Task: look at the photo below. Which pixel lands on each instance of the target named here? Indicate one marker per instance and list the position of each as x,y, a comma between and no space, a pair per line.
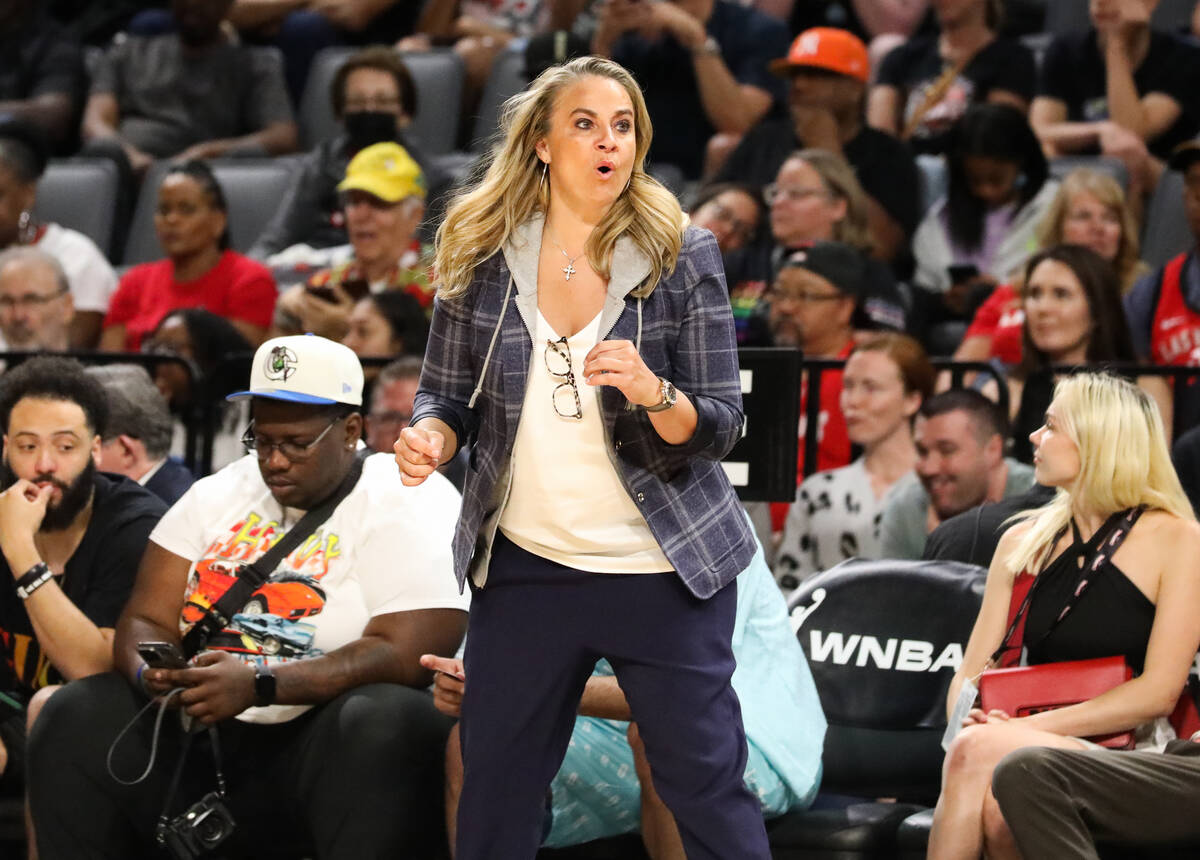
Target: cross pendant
569,270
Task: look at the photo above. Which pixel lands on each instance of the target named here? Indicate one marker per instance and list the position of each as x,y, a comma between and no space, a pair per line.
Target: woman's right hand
418,452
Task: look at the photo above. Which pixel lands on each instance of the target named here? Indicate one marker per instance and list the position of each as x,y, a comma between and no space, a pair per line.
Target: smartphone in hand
161,655
960,273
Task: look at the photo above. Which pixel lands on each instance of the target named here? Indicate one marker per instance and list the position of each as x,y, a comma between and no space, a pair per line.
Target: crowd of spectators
888,183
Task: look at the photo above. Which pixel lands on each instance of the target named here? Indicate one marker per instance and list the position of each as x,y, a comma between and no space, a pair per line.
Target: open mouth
605,169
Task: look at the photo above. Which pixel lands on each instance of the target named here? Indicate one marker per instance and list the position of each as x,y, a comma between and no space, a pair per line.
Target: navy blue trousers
536,631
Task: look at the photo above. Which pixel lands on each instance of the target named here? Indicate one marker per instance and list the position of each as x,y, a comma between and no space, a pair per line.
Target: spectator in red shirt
199,270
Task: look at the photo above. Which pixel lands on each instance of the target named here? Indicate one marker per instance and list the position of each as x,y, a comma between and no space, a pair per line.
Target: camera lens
210,828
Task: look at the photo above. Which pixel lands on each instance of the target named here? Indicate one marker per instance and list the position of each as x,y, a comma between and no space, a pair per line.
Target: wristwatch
667,396
264,685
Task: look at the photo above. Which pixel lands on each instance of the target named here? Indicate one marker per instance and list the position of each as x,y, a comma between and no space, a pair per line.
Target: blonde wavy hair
1123,461
1108,191
482,216
841,183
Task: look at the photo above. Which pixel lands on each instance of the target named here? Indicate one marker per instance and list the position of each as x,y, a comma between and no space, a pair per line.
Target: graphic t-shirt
385,549
98,578
915,67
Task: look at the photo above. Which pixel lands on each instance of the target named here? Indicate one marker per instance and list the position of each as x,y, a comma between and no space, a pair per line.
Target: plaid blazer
684,331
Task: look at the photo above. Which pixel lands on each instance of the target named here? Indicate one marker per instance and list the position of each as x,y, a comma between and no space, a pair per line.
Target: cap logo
810,43
280,364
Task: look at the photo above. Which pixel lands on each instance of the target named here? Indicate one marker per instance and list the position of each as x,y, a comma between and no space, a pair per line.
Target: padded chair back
1166,233
883,640
437,75
506,80
317,122
253,188
80,193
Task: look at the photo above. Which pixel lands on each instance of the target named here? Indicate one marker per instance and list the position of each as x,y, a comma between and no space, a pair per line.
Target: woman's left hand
617,363
977,717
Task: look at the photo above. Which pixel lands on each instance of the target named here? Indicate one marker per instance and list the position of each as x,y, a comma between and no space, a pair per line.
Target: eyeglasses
392,417
29,300
558,362
293,451
777,295
776,192
741,229
382,104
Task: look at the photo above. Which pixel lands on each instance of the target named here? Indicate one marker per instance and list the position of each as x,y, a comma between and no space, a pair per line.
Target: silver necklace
569,269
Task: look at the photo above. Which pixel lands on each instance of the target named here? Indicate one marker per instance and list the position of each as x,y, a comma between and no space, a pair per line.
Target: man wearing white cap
329,743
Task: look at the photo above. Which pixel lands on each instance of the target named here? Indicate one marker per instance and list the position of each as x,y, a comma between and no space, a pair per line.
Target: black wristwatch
264,685
667,396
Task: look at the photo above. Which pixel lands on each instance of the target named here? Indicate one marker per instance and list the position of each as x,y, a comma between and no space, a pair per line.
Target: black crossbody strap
250,577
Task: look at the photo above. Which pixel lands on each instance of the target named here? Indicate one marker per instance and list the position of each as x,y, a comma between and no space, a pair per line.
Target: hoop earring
26,227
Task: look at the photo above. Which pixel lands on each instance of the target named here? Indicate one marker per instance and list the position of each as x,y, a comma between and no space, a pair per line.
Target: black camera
200,829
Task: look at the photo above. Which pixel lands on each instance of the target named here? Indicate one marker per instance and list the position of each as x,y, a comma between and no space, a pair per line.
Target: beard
75,496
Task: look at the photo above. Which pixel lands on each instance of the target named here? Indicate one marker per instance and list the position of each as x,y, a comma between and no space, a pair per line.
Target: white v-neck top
566,502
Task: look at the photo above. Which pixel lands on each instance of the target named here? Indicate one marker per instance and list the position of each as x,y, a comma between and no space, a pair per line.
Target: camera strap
164,817
250,577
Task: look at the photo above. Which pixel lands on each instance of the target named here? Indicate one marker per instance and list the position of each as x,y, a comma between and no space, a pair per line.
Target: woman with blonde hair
1090,209
1104,556
596,519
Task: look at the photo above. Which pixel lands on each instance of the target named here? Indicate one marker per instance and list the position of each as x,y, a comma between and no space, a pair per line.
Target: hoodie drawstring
487,359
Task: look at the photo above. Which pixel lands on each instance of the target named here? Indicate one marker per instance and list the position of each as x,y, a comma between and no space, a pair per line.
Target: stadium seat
1166,232
252,189
79,193
883,639
506,80
437,75
1061,165
315,116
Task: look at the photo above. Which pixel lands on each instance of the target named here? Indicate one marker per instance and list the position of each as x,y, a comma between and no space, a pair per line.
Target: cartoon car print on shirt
290,595
268,635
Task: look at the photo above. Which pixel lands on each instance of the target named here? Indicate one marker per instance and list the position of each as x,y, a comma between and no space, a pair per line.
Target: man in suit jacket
138,435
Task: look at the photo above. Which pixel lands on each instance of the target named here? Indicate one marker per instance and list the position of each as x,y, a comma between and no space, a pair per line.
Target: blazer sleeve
447,376
706,359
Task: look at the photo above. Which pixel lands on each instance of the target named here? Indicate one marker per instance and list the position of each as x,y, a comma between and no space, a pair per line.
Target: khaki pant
1060,803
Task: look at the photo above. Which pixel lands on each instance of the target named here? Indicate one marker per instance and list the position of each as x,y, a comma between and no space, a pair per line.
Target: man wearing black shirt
828,71
70,542
41,72
1118,89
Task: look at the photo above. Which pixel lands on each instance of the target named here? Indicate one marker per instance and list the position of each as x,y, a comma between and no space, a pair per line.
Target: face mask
368,127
